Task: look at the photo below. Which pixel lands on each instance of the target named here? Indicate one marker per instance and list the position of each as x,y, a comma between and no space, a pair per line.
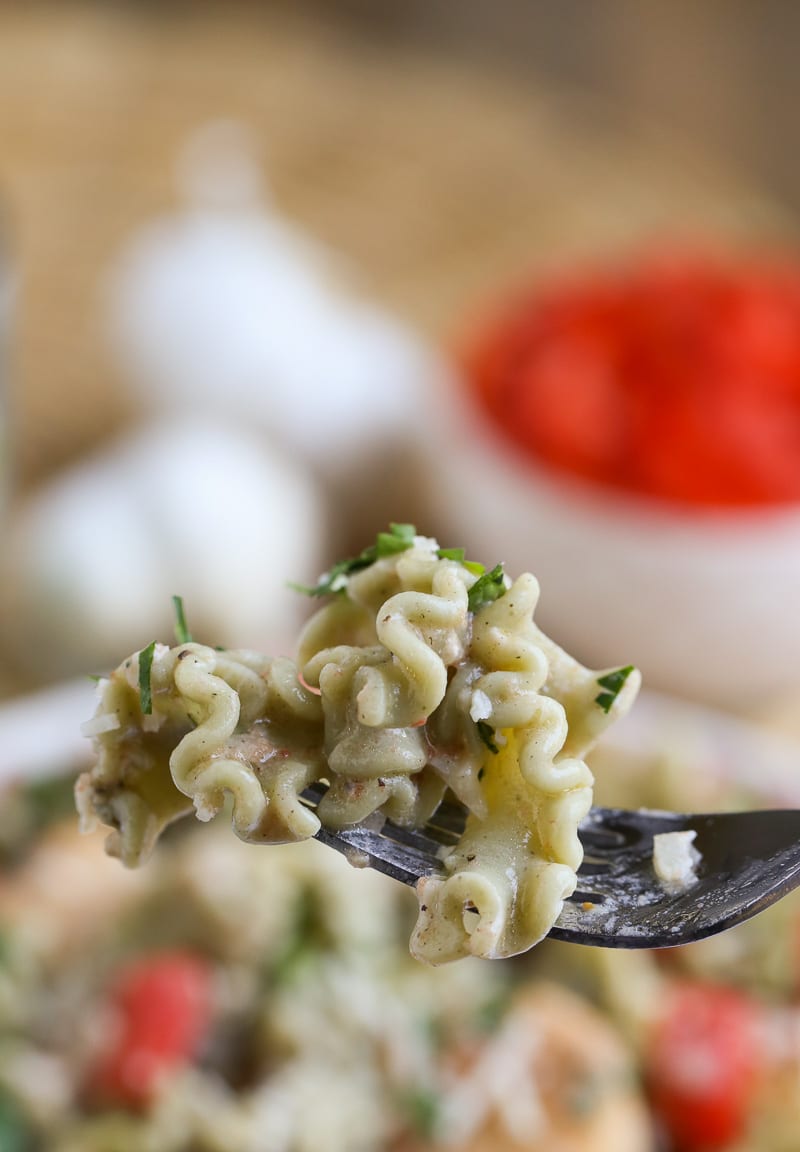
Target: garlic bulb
188,508
228,306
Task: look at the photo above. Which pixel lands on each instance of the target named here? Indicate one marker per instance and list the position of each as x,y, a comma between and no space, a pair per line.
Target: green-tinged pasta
406,686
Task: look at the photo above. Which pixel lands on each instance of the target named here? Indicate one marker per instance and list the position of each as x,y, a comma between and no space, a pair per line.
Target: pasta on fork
422,675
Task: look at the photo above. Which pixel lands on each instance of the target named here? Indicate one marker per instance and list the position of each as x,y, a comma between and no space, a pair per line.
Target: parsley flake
145,668
487,588
182,633
486,733
458,554
399,538
424,1111
613,683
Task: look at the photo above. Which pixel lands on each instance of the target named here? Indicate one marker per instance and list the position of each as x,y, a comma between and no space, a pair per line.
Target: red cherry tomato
675,378
160,1013
703,1066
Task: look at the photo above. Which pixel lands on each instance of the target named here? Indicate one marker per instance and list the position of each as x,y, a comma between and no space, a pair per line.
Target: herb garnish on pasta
422,675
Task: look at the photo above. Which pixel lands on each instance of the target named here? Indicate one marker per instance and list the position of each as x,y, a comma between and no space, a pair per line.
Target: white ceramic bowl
707,604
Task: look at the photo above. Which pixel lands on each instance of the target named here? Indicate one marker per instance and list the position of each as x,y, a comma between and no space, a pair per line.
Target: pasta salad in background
235,952
229,1000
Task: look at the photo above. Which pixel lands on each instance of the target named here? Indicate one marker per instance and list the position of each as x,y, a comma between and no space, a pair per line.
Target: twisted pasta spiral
420,675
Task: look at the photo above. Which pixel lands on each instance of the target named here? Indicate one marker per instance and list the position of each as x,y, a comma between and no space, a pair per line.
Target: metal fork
748,861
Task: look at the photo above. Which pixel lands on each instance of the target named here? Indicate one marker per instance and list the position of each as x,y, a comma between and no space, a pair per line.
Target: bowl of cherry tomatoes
631,433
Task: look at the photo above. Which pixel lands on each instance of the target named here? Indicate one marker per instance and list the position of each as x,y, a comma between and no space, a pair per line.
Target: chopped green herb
15,1135
451,554
331,582
486,733
145,667
473,566
489,1015
49,799
309,937
399,538
423,1108
488,587
182,633
95,677
613,683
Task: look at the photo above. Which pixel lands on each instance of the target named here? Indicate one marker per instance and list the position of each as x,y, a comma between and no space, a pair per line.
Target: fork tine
594,867
427,841
748,861
367,848
606,831
597,842
450,817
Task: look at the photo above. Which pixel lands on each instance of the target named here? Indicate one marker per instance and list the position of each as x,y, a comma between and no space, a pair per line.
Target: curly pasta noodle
419,676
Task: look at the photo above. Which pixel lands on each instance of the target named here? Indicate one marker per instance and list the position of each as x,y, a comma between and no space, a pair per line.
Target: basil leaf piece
487,588
145,668
182,633
486,733
613,683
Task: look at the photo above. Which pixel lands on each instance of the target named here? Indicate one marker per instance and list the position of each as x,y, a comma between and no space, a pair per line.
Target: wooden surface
439,177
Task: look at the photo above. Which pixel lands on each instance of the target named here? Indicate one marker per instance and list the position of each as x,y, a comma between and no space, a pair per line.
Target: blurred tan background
442,148
441,152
